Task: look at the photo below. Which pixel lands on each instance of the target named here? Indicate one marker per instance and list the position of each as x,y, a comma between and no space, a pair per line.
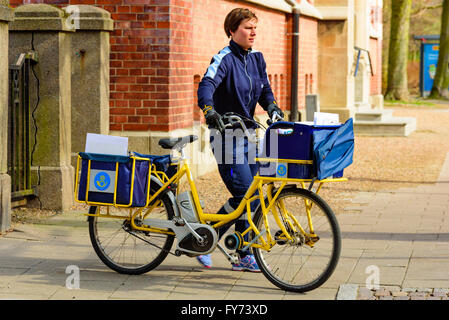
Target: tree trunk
441,81
397,85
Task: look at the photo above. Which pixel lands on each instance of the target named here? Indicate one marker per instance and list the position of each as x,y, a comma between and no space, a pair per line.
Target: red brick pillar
180,82
151,71
170,98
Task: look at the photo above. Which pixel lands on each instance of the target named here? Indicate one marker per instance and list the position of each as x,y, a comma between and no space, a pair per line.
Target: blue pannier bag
111,180
333,150
162,163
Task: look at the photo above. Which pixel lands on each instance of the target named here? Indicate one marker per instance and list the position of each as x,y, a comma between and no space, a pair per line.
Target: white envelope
104,144
325,119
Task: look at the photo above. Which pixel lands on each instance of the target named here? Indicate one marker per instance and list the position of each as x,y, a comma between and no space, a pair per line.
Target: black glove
272,108
214,120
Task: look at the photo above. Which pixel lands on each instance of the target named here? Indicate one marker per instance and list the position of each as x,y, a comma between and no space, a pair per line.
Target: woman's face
245,33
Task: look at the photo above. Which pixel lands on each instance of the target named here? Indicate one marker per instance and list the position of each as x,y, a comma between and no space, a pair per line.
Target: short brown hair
235,17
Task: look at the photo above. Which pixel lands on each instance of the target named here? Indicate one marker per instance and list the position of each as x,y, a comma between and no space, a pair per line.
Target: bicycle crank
208,241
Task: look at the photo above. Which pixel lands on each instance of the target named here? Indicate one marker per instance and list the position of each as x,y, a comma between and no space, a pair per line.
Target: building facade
160,50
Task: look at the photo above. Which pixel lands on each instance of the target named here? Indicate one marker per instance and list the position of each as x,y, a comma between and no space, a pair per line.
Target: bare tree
397,86
441,81
423,5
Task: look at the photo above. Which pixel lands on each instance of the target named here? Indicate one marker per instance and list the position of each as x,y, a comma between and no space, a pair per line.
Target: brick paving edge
347,291
351,291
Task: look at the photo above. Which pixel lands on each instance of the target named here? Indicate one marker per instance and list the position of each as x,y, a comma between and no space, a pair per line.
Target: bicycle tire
119,238
330,240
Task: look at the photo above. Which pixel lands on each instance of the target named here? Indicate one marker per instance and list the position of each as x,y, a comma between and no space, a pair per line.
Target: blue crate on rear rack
301,151
120,181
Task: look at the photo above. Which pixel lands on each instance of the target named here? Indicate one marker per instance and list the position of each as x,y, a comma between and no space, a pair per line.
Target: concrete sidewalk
398,240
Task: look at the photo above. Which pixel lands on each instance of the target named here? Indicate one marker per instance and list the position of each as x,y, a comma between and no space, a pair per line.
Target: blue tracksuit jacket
235,81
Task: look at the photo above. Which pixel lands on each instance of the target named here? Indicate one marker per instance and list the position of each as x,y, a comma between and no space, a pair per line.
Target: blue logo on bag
282,170
102,181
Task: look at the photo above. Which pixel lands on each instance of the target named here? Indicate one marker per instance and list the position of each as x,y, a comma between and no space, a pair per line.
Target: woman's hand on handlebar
274,114
230,119
215,120
273,108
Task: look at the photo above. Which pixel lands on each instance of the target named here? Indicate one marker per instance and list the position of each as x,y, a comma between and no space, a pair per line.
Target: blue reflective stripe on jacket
235,81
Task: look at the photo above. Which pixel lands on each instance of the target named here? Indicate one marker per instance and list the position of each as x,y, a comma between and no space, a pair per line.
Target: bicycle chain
148,242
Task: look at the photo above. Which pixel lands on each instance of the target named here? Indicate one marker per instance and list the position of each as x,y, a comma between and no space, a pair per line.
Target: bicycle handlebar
276,117
230,119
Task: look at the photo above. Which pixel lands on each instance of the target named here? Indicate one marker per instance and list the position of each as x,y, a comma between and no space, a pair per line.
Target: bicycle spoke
127,250
309,257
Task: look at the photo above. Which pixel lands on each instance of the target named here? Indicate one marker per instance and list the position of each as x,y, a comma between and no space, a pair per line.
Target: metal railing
19,131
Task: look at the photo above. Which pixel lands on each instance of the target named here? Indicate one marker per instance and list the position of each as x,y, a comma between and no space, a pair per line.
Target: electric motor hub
192,244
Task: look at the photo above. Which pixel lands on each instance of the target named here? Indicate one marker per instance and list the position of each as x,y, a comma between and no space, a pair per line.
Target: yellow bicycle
294,234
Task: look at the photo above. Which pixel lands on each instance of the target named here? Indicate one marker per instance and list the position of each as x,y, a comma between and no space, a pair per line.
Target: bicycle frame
255,192
221,219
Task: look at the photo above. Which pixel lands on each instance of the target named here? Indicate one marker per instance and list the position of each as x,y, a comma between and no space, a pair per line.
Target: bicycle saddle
177,143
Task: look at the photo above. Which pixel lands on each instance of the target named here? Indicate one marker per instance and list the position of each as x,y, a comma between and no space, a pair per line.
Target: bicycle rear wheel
126,250
306,262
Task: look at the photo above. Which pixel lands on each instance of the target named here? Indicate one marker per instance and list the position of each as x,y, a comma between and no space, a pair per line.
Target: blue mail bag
113,180
297,141
333,150
287,141
163,163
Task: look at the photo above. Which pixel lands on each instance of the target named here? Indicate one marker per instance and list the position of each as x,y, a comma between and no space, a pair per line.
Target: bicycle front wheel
126,250
308,259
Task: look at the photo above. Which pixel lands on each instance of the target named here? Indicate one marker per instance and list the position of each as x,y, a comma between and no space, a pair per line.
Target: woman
236,81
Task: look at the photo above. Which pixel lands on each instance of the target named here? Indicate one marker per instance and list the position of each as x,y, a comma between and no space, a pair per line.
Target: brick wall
151,56
376,60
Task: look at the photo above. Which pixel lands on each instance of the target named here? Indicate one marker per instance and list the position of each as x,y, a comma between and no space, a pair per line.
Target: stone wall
5,179
72,79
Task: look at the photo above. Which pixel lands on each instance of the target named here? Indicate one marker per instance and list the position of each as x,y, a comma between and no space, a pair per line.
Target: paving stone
400,294
409,289
347,292
365,294
401,298
418,294
393,288
386,298
417,298
439,294
433,298
381,293
441,290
